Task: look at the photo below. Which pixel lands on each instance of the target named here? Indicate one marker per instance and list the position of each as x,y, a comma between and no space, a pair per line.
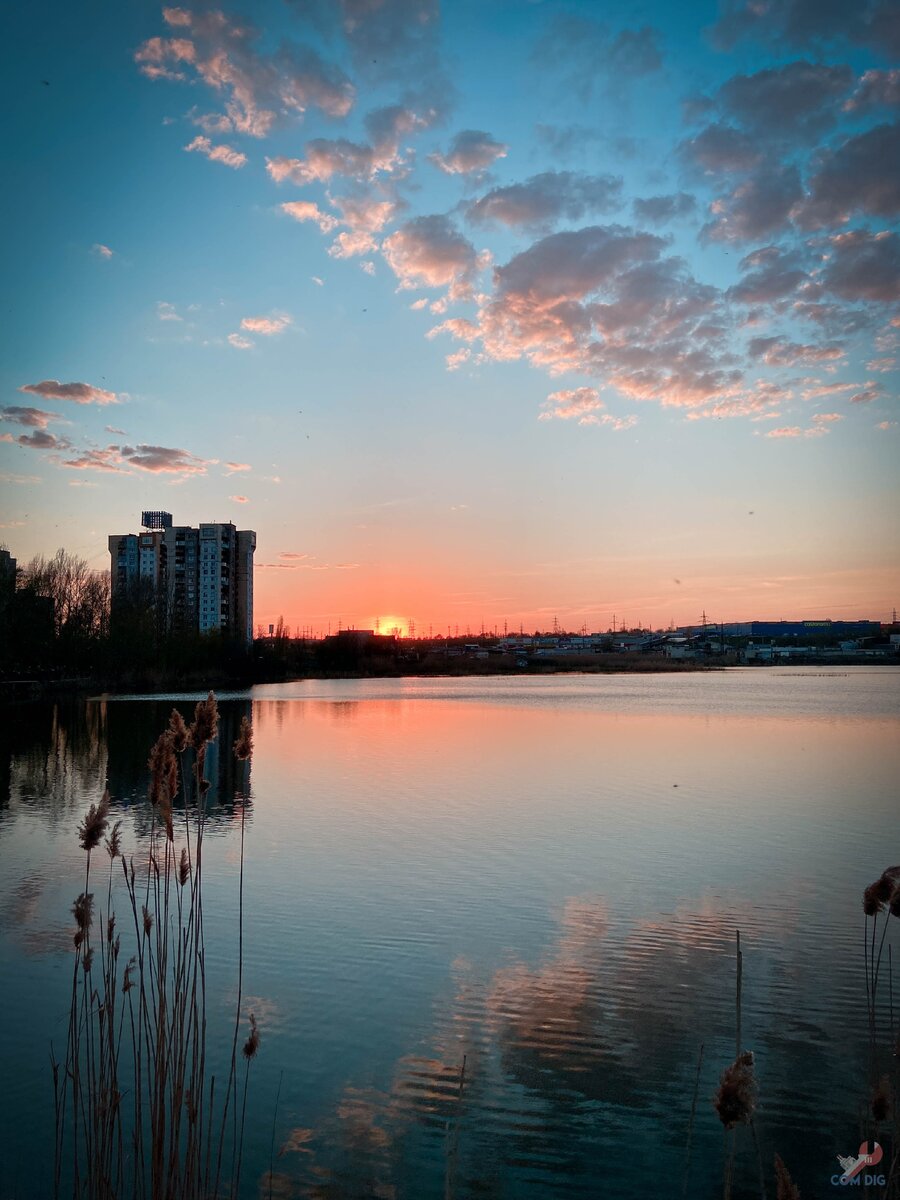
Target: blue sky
503,311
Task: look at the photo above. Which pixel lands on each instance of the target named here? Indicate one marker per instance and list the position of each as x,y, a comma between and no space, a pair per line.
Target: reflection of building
198,580
133,728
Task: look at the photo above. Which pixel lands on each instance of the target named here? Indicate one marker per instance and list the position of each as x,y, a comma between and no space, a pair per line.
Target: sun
388,625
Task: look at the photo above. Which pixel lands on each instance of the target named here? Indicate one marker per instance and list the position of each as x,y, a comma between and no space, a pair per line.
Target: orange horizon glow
441,606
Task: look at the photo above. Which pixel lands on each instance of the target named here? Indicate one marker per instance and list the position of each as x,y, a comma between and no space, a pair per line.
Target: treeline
57,622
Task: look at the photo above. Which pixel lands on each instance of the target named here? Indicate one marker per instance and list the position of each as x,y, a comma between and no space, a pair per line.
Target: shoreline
22,691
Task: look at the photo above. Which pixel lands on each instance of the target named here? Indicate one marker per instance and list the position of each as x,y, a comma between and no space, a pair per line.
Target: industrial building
801,629
198,580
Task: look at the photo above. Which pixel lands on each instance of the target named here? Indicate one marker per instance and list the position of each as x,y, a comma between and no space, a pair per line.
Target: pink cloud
239,343
221,153
258,88
430,252
777,352
78,393
267,326
42,440
457,359
471,152
102,251
347,245
33,418
239,499
155,459
306,210
232,468
785,431
574,403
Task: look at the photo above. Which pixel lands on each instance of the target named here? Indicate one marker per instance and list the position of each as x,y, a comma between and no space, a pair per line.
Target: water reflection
56,757
516,885
51,754
540,1073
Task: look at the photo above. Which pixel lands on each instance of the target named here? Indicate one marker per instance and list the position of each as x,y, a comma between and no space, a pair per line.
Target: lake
540,876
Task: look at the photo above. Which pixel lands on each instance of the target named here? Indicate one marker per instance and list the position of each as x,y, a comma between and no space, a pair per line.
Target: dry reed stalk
134,1110
690,1136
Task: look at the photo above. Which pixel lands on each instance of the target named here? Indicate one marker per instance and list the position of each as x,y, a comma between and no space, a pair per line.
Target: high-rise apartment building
198,580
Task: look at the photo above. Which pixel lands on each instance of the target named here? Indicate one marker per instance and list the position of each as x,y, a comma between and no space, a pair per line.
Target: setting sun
390,625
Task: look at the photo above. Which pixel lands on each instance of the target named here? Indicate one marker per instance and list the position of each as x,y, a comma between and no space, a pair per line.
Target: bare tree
80,595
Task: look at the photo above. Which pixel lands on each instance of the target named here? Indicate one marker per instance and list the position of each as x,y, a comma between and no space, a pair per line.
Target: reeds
137,1113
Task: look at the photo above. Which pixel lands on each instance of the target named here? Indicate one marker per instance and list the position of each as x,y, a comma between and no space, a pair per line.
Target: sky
491,312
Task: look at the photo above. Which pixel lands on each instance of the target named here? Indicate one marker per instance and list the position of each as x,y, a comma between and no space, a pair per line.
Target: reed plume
93,827
785,1188
134,1099
735,1099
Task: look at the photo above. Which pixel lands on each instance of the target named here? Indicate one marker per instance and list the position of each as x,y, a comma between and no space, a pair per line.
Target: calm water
542,875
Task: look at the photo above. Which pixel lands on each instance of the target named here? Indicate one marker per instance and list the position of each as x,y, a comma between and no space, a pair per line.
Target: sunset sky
499,311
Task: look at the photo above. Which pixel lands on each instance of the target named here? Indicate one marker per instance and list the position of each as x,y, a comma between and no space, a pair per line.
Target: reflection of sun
388,625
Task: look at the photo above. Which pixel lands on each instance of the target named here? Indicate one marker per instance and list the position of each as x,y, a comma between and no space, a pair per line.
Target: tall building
198,580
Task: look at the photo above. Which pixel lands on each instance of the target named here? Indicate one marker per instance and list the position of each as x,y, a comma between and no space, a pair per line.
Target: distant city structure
198,580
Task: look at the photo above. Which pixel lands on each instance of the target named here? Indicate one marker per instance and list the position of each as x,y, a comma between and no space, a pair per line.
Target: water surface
540,876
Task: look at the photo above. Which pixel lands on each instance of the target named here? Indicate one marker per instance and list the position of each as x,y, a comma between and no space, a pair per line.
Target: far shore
436,667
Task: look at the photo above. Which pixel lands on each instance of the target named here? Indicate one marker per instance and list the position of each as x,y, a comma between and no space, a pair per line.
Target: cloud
430,252
875,89
362,161
771,273
459,327
78,393
886,425
113,429
777,352
155,459
544,199
869,393
798,99
258,89
222,153
860,175
240,343
166,311
578,46
317,281
864,266
32,418
291,554
827,418
881,364
818,390
785,431
575,403
306,210
267,326
809,23
457,359
42,440
11,477
471,152
659,209
232,468
101,251
720,149
604,301
348,244
389,40
239,499
755,208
